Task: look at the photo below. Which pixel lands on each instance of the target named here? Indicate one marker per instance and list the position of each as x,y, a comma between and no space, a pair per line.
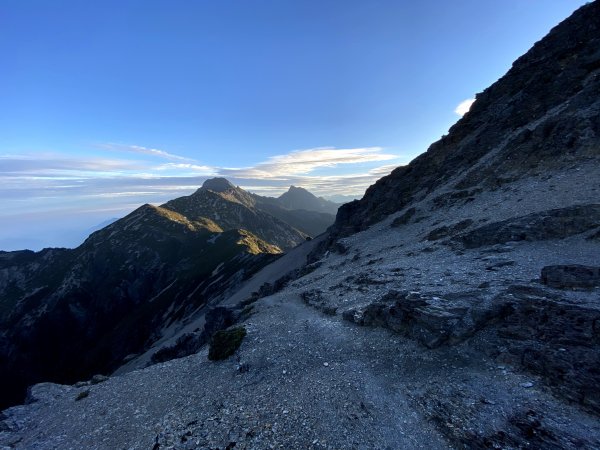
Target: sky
108,105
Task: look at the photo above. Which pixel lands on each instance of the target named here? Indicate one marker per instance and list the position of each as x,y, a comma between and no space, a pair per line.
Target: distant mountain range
67,314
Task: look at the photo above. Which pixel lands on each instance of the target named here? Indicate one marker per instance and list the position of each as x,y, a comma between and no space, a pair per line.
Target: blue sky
107,105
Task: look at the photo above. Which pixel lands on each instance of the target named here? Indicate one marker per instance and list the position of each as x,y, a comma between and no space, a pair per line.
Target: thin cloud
348,184
142,151
188,167
306,161
52,182
464,106
52,167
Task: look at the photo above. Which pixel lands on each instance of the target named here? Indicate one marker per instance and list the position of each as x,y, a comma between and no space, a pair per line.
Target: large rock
546,334
531,327
552,224
432,320
571,276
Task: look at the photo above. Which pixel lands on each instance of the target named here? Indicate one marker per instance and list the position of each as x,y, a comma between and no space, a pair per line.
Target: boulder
431,320
551,224
554,338
571,276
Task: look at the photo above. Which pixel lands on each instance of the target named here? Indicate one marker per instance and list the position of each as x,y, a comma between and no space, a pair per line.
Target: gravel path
312,382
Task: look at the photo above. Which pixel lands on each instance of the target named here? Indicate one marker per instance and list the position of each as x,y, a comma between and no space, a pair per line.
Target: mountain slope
67,314
541,115
463,313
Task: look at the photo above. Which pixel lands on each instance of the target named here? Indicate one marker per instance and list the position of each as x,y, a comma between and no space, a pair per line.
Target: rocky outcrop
430,319
553,224
571,276
530,327
545,333
461,419
540,116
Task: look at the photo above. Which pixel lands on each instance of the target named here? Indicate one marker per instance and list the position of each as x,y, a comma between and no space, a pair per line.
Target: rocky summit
457,305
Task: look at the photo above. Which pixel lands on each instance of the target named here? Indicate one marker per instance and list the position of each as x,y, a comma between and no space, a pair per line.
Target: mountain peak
300,198
218,184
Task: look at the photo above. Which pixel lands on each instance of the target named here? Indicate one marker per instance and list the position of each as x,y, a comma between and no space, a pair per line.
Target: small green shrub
225,342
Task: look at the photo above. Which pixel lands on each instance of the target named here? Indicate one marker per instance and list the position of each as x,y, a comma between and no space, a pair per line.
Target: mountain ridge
157,264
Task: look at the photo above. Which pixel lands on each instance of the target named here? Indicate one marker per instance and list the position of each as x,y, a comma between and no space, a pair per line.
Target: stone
551,224
571,276
96,379
553,338
404,218
431,320
449,230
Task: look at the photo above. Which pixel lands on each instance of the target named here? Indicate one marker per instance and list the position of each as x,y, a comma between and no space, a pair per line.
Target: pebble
527,384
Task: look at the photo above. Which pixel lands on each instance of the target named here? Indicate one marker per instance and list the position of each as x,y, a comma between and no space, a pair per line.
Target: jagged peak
297,190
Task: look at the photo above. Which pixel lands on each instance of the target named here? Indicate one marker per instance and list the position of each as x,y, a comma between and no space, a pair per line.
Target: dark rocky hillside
457,305
539,117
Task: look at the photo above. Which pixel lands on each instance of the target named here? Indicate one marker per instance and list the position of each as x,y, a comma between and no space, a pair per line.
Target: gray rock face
552,224
457,415
431,320
571,276
553,338
449,230
535,329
